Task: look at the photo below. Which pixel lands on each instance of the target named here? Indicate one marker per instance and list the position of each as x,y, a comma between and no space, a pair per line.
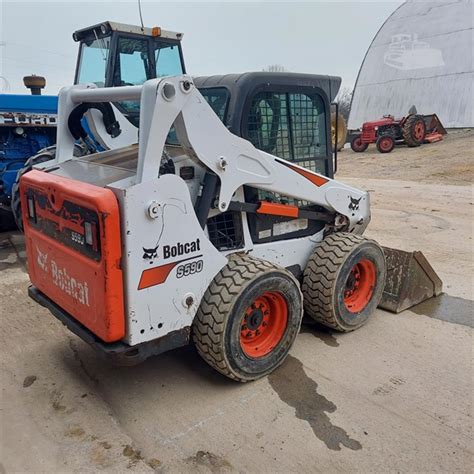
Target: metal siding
442,89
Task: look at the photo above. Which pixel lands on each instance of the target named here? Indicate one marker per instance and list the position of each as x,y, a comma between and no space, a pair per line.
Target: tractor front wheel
344,280
358,145
46,154
385,144
248,318
414,130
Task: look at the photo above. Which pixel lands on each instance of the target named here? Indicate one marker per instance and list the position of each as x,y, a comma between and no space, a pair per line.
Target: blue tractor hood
41,104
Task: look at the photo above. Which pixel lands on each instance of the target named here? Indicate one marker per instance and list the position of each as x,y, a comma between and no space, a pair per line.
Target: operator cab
287,115
114,54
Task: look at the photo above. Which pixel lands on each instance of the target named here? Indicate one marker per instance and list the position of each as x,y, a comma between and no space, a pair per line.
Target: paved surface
395,395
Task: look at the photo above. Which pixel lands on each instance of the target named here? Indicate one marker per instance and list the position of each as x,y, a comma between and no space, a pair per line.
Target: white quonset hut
423,56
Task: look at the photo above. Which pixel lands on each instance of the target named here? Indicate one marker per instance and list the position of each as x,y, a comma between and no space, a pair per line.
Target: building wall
430,66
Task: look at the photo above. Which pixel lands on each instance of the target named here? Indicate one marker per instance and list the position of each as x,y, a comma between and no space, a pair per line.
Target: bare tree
344,100
275,68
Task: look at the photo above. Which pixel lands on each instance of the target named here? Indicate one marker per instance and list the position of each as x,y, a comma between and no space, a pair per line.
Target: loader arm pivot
175,100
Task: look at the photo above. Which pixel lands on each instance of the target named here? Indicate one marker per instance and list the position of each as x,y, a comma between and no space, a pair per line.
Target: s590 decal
189,268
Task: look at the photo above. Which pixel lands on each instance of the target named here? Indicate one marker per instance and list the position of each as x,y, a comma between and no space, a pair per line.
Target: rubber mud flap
410,280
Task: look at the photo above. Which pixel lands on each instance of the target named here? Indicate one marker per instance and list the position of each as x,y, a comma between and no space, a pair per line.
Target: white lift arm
175,100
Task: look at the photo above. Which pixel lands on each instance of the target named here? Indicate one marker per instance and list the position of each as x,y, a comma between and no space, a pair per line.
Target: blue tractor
27,125
110,54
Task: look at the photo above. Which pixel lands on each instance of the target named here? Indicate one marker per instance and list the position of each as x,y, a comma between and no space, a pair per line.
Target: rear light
31,209
88,233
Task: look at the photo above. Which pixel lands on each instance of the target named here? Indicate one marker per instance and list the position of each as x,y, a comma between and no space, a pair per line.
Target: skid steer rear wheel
343,281
248,319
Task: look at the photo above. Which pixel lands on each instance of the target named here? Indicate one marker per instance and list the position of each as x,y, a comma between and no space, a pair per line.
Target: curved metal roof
422,56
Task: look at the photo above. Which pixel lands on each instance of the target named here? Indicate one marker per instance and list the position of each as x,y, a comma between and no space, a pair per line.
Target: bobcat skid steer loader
139,249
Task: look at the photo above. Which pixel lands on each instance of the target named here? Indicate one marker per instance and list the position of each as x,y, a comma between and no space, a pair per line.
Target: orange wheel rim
263,324
360,286
385,143
419,130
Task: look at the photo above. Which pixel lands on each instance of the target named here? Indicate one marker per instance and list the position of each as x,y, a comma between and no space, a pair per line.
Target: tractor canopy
115,54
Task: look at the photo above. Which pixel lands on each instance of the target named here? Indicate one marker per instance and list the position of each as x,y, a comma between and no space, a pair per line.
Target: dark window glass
217,98
268,124
291,126
308,127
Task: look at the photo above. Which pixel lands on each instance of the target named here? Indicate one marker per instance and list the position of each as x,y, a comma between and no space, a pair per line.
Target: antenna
140,12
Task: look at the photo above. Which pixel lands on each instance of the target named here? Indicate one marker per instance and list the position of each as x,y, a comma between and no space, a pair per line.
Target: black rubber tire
217,325
46,154
380,144
408,130
326,274
7,222
357,145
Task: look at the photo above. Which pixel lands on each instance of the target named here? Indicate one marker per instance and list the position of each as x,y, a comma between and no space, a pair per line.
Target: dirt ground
396,395
447,162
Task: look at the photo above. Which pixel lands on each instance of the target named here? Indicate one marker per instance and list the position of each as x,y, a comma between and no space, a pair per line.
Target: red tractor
412,130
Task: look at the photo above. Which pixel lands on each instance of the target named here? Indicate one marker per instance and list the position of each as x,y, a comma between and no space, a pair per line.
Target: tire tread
216,304
320,276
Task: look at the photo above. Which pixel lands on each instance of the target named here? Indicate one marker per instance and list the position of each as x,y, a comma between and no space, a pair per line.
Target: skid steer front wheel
343,281
248,318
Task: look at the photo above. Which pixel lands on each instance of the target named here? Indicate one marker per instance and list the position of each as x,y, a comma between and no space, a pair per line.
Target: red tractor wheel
385,144
358,145
414,130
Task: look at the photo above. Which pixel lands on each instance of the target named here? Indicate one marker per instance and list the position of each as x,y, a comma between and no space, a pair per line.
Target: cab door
293,124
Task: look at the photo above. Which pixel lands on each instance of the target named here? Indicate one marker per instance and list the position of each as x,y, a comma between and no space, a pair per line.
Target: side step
410,280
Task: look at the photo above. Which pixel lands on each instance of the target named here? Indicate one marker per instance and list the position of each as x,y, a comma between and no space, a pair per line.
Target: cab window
167,60
132,68
217,98
291,126
93,62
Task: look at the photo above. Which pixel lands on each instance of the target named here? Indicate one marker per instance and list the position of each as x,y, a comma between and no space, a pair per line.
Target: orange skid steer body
74,250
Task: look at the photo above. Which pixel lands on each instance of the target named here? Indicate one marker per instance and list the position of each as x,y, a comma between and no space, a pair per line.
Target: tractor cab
114,54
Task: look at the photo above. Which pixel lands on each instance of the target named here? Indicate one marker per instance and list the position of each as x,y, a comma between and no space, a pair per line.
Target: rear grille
225,231
66,225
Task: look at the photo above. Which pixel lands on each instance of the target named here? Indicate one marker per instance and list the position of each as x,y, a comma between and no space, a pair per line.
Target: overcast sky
219,37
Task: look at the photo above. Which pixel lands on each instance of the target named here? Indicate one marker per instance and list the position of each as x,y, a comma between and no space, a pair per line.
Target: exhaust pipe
34,83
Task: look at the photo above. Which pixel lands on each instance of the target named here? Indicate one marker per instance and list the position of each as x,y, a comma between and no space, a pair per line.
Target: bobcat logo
42,260
150,254
354,204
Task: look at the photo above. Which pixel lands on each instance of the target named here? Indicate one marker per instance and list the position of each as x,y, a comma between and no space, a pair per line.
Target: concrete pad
396,395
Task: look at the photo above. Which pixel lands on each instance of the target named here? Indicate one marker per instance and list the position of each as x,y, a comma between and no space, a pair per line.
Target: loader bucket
434,125
410,280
